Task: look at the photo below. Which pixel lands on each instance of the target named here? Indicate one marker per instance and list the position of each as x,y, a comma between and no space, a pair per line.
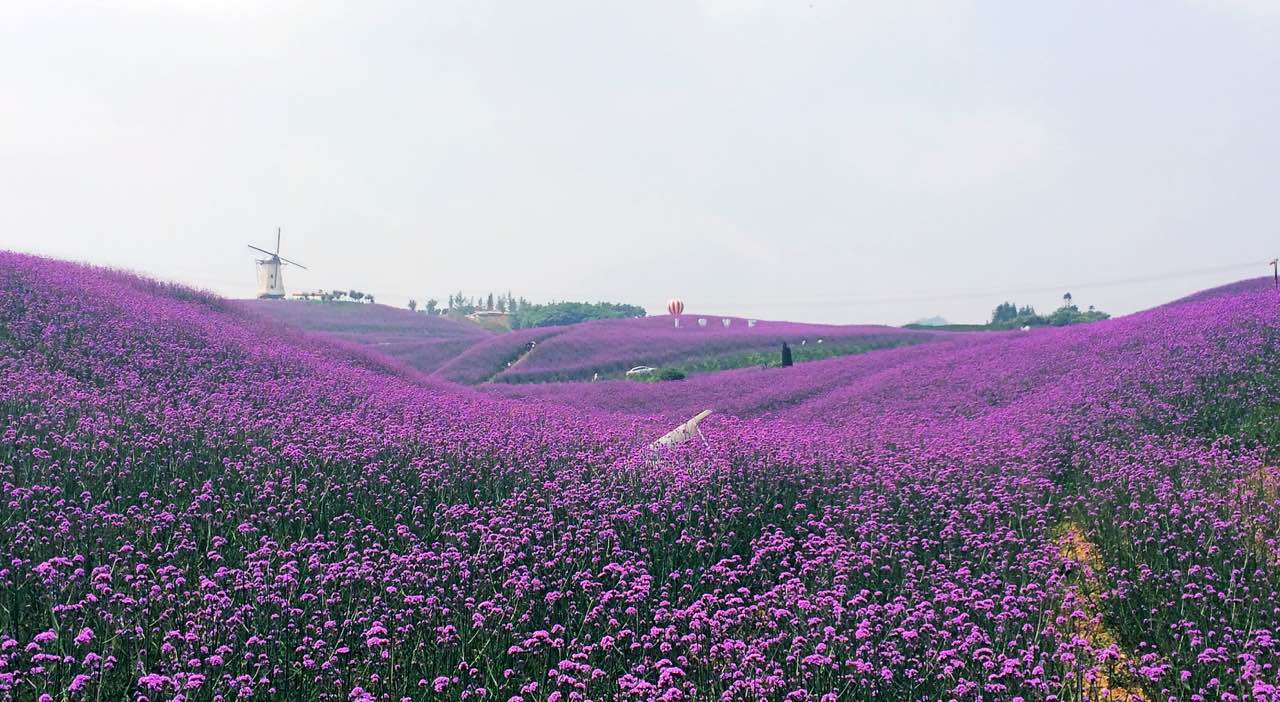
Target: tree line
337,295
523,314
460,304
561,313
1008,315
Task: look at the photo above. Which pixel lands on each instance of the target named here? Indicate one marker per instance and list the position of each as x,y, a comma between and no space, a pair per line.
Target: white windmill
270,284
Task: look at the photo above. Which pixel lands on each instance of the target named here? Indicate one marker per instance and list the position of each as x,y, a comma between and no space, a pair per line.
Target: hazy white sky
817,161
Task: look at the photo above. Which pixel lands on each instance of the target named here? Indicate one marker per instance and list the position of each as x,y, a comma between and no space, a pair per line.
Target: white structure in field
682,433
270,283
702,322
726,321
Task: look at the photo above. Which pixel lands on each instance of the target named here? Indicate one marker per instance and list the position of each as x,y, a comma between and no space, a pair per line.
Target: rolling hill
201,503
610,347
423,342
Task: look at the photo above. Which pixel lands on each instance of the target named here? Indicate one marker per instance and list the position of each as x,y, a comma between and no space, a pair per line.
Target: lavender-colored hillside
199,504
423,342
747,392
487,360
614,345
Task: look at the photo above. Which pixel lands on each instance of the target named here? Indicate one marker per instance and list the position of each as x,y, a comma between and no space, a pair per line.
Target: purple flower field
487,360
201,505
422,342
754,392
614,345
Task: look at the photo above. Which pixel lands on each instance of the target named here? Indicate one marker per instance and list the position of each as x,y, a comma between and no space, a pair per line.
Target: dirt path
518,359
1082,609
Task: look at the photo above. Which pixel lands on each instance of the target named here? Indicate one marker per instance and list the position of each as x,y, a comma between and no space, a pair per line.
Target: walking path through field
528,349
1082,608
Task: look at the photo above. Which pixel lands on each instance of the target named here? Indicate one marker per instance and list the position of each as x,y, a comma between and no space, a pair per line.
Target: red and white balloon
675,306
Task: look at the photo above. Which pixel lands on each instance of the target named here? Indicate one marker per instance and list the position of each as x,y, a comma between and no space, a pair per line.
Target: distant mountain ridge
934,321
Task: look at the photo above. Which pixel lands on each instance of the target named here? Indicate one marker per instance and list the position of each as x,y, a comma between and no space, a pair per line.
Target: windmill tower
270,284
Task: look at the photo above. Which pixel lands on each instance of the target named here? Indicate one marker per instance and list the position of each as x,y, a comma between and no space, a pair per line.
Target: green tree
561,313
1004,312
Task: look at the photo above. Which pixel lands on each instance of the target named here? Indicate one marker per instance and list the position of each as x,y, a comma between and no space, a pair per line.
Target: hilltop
423,342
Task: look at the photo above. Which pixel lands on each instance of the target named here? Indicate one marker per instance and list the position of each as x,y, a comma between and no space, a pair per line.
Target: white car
641,370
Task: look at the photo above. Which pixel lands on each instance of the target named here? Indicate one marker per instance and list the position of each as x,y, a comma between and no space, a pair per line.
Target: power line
1114,282
996,293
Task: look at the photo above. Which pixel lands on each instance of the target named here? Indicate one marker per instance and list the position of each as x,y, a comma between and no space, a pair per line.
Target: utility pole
1275,271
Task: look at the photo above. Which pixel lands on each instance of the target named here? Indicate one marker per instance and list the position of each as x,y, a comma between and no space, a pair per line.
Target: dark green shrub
670,374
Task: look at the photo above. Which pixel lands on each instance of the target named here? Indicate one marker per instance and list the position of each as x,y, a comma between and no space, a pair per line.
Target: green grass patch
770,358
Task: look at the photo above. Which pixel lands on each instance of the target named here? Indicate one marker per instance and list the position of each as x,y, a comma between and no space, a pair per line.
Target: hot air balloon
674,307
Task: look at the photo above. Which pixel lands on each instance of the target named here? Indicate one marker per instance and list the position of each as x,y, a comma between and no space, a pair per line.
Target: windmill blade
295,263
258,249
